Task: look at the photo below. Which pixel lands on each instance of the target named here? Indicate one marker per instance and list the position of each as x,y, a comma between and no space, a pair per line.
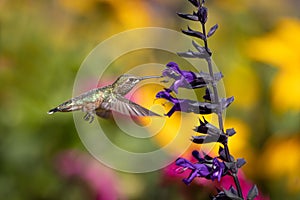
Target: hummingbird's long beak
148,77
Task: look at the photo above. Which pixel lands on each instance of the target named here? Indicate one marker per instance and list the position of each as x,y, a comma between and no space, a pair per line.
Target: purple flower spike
205,166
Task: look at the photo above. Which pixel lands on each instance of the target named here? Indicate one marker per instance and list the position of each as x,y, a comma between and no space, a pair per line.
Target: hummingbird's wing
124,106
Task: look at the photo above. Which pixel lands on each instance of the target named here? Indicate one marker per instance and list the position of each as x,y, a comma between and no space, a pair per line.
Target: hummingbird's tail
67,106
54,110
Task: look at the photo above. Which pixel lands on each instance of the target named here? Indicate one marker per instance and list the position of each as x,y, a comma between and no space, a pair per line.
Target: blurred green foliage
43,43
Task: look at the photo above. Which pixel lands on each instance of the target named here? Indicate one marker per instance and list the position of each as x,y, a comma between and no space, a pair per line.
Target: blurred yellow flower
242,82
281,49
131,14
281,161
239,143
78,6
237,6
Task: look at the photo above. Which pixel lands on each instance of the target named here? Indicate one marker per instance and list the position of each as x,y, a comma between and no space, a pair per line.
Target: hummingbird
103,100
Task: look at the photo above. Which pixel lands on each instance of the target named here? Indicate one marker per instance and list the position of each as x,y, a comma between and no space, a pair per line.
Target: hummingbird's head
128,79
126,82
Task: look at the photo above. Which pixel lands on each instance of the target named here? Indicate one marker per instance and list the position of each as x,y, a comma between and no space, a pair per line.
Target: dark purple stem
205,39
220,111
237,183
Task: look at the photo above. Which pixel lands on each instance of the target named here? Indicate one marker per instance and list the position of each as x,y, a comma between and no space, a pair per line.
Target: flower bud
202,14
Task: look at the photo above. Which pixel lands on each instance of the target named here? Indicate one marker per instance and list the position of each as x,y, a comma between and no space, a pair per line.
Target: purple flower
186,105
190,106
188,79
217,169
183,79
179,104
198,169
207,167
188,75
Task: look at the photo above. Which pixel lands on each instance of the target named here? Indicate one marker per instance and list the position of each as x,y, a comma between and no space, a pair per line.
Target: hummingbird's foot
89,117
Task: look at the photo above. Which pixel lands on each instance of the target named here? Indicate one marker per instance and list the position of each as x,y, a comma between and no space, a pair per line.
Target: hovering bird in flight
103,100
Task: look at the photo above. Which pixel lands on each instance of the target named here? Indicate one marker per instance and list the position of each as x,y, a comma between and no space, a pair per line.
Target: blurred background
42,45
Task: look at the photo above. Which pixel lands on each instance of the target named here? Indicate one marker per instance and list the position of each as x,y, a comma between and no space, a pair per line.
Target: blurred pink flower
101,180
